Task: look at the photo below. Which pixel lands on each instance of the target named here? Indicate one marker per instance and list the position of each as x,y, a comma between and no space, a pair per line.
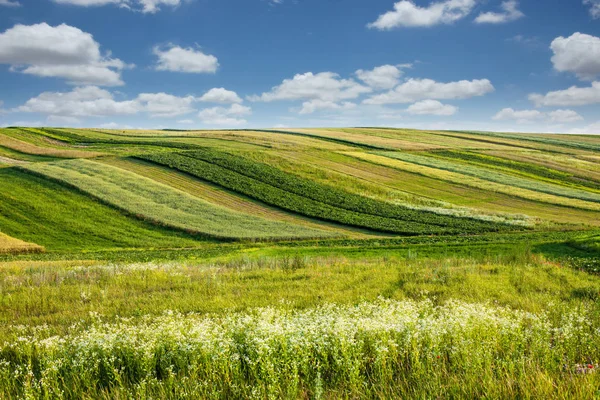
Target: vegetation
314,263
163,205
294,193
15,246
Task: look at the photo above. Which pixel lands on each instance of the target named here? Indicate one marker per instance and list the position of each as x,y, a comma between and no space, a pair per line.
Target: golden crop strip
476,182
11,245
216,195
28,148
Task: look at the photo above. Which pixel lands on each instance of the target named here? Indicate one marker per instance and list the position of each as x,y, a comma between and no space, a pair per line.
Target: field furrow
164,205
218,195
460,179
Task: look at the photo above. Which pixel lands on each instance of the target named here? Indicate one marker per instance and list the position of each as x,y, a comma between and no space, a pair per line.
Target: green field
308,263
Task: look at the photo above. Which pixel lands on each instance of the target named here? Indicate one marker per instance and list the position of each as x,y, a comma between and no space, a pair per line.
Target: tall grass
382,349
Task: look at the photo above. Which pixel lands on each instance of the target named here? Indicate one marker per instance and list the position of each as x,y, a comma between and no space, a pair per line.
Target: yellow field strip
216,195
28,148
10,245
370,140
434,140
457,178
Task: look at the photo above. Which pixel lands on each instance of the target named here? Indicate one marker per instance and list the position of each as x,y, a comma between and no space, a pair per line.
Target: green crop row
163,205
537,139
287,191
495,176
527,169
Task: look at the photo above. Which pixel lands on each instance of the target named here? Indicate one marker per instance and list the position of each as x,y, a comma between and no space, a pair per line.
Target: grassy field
306,263
166,206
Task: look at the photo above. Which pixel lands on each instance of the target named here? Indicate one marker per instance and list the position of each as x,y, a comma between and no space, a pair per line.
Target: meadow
309,263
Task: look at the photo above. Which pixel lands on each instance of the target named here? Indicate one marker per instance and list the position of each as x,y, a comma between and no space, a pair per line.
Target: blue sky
449,64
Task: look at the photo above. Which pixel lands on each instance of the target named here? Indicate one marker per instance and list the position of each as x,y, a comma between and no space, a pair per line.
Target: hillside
300,184
305,263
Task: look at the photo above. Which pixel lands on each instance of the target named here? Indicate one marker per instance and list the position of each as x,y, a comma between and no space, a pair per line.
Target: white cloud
594,7
427,89
589,129
144,6
152,6
91,101
309,107
62,121
185,121
408,14
220,95
579,53
510,12
114,125
9,3
564,116
62,52
431,107
178,59
231,116
527,116
325,86
383,77
165,105
571,97
519,116
87,101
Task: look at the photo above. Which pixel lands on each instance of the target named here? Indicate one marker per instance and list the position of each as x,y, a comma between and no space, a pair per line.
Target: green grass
472,312
161,204
49,214
203,271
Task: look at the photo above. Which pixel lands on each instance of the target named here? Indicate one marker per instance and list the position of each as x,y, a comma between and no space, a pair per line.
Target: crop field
298,263
13,246
163,205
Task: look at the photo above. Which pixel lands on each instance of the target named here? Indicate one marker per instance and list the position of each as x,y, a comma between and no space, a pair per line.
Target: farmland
305,263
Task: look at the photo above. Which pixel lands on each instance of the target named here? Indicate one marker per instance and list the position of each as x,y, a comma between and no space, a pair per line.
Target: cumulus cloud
527,116
10,3
589,129
414,90
325,86
431,107
518,115
92,101
62,52
510,12
564,116
594,7
185,121
408,14
309,107
178,59
383,77
579,53
221,96
571,97
89,101
165,105
115,125
56,120
230,116
144,6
